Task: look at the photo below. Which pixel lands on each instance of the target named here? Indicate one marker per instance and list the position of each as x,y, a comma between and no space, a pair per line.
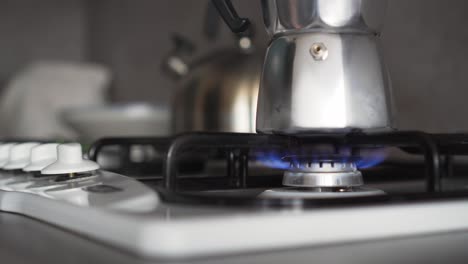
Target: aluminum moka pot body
323,70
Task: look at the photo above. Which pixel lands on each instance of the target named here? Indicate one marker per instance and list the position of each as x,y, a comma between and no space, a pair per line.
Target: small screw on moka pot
319,51
323,70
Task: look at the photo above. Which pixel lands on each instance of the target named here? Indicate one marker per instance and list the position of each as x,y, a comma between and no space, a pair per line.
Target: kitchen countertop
25,240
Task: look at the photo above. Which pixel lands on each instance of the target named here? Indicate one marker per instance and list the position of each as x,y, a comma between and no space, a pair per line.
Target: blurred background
82,68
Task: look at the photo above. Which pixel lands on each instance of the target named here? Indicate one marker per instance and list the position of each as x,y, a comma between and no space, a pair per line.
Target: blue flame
272,159
276,159
371,158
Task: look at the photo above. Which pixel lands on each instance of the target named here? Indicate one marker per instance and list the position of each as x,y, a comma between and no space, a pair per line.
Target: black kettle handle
229,15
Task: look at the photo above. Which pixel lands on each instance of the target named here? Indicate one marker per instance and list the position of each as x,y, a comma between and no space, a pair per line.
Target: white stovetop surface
127,214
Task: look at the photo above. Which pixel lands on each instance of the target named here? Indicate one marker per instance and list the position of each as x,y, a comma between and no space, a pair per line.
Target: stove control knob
42,156
20,155
5,153
70,160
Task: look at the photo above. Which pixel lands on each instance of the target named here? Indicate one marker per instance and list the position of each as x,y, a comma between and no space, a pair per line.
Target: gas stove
215,194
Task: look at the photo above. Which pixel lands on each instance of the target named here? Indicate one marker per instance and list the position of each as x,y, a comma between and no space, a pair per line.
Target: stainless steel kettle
220,95
218,92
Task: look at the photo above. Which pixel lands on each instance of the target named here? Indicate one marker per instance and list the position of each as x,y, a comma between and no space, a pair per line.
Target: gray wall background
40,30
424,43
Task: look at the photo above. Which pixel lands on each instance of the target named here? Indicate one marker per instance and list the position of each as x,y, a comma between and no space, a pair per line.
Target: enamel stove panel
155,222
125,213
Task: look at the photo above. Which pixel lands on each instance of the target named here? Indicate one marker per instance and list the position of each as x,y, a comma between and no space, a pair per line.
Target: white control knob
42,156
70,160
19,156
5,153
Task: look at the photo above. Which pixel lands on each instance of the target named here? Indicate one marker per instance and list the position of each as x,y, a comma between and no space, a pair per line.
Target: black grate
238,146
434,148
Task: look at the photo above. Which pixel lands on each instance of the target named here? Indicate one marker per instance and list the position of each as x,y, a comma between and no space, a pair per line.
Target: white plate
139,119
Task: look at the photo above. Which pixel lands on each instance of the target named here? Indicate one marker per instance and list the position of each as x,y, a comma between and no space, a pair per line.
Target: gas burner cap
5,153
19,156
325,173
320,193
42,156
70,160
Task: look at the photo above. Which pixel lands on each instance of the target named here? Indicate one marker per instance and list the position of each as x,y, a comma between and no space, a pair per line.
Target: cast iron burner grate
237,146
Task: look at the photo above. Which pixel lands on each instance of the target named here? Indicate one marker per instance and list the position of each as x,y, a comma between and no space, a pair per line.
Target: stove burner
322,173
323,177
